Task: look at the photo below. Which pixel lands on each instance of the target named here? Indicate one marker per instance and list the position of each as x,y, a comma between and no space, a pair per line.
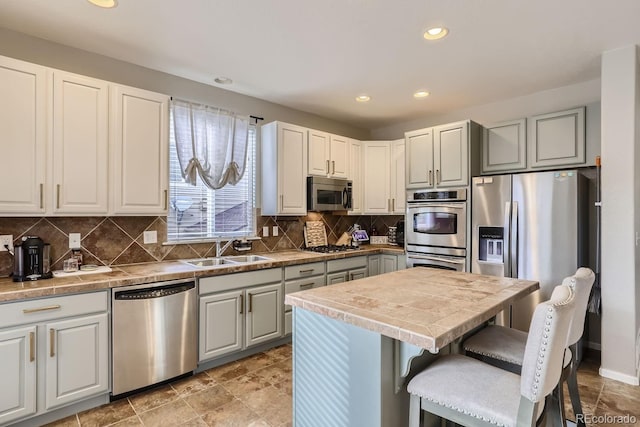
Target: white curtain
210,142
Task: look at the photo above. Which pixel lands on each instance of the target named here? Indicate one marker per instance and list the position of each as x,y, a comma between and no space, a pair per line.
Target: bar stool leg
572,383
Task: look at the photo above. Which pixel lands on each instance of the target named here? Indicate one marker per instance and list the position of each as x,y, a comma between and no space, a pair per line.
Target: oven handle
461,205
436,258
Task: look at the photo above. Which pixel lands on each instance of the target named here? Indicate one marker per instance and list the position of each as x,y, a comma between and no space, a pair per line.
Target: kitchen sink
247,258
207,262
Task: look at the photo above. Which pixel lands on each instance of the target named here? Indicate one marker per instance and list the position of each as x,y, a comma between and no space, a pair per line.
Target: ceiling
318,56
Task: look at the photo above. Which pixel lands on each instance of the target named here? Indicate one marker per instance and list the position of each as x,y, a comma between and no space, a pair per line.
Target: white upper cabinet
557,139
419,158
24,141
328,154
139,151
398,193
284,169
80,154
355,175
504,146
439,156
377,177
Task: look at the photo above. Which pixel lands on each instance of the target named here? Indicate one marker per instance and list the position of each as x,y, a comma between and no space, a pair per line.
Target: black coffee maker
32,260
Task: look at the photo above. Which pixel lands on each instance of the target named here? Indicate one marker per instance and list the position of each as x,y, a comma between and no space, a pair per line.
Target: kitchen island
354,342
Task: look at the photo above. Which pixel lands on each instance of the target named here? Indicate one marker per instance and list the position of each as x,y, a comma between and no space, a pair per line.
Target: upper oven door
437,224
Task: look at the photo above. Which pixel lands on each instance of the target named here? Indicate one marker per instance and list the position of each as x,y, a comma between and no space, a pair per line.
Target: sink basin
247,258
207,262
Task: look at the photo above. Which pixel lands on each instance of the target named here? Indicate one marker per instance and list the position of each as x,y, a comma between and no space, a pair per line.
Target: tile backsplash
119,240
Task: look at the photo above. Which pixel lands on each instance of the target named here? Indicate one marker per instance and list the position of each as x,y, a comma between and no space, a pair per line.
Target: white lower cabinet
64,341
300,278
382,263
346,269
238,311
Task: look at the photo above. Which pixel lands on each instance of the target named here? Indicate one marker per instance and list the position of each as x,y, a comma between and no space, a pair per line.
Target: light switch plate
74,240
6,239
265,231
150,237
274,230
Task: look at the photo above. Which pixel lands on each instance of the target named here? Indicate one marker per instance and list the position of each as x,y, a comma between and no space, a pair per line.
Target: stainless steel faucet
220,249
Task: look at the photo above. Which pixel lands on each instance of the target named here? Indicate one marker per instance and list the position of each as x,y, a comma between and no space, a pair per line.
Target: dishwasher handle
154,292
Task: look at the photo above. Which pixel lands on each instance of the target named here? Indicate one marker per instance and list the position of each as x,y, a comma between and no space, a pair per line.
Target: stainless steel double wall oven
436,229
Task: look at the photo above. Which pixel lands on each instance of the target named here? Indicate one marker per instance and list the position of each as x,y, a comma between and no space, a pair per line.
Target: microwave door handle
506,249
514,240
345,199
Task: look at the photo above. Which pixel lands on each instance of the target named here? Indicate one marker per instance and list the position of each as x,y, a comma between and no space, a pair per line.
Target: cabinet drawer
227,282
42,309
346,263
303,285
303,270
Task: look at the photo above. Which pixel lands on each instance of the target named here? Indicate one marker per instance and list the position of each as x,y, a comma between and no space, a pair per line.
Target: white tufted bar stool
472,393
503,344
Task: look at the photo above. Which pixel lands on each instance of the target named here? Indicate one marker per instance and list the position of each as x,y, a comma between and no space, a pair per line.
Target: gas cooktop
325,249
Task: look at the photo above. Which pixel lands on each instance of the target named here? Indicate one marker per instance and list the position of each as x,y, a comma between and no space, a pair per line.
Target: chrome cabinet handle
306,285
250,303
58,196
166,199
46,308
389,204
52,345
41,196
430,177
327,167
308,270
393,205
32,346
333,162
438,176
241,303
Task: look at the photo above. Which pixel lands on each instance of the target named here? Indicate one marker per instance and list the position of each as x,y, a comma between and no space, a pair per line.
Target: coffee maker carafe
32,260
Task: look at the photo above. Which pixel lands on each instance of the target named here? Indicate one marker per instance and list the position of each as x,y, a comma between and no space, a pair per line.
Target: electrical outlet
150,237
74,240
274,231
265,231
6,239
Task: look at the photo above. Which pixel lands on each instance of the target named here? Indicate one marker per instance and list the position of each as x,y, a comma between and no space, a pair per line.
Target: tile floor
256,392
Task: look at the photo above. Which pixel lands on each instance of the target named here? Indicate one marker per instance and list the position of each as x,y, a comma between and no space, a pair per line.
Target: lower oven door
437,261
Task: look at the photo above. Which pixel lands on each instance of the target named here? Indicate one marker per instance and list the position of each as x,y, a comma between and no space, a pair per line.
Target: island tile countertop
425,307
135,274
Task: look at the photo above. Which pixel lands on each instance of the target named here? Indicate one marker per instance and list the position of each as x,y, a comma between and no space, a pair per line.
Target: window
199,213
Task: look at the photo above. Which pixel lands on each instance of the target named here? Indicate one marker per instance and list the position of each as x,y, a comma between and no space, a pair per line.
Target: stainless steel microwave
328,194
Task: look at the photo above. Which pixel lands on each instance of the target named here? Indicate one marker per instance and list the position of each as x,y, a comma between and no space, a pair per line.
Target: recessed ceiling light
107,4
435,33
223,80
421,94
363,98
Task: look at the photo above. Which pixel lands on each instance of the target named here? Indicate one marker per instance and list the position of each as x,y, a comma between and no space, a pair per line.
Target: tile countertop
135,274
425,307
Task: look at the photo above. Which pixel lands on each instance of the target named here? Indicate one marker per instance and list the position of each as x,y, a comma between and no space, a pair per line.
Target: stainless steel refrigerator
529,226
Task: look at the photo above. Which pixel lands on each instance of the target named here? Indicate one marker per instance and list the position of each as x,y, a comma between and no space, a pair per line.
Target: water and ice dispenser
491,244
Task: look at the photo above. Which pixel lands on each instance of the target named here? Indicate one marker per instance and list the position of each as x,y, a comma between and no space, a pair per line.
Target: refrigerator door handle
506,250
514,240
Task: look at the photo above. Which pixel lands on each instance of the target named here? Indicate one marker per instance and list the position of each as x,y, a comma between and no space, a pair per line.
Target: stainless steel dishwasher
154,333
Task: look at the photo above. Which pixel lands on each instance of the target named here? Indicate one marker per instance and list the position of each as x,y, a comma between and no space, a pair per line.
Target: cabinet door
339,277
339,157
319,152
389,263
355,175
451,155
292,169
77,355
80,144
139,150
419,159
504,146
373,265
264,314
220,324
377,177
23,143
398,188
557,139
18,373
358,273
